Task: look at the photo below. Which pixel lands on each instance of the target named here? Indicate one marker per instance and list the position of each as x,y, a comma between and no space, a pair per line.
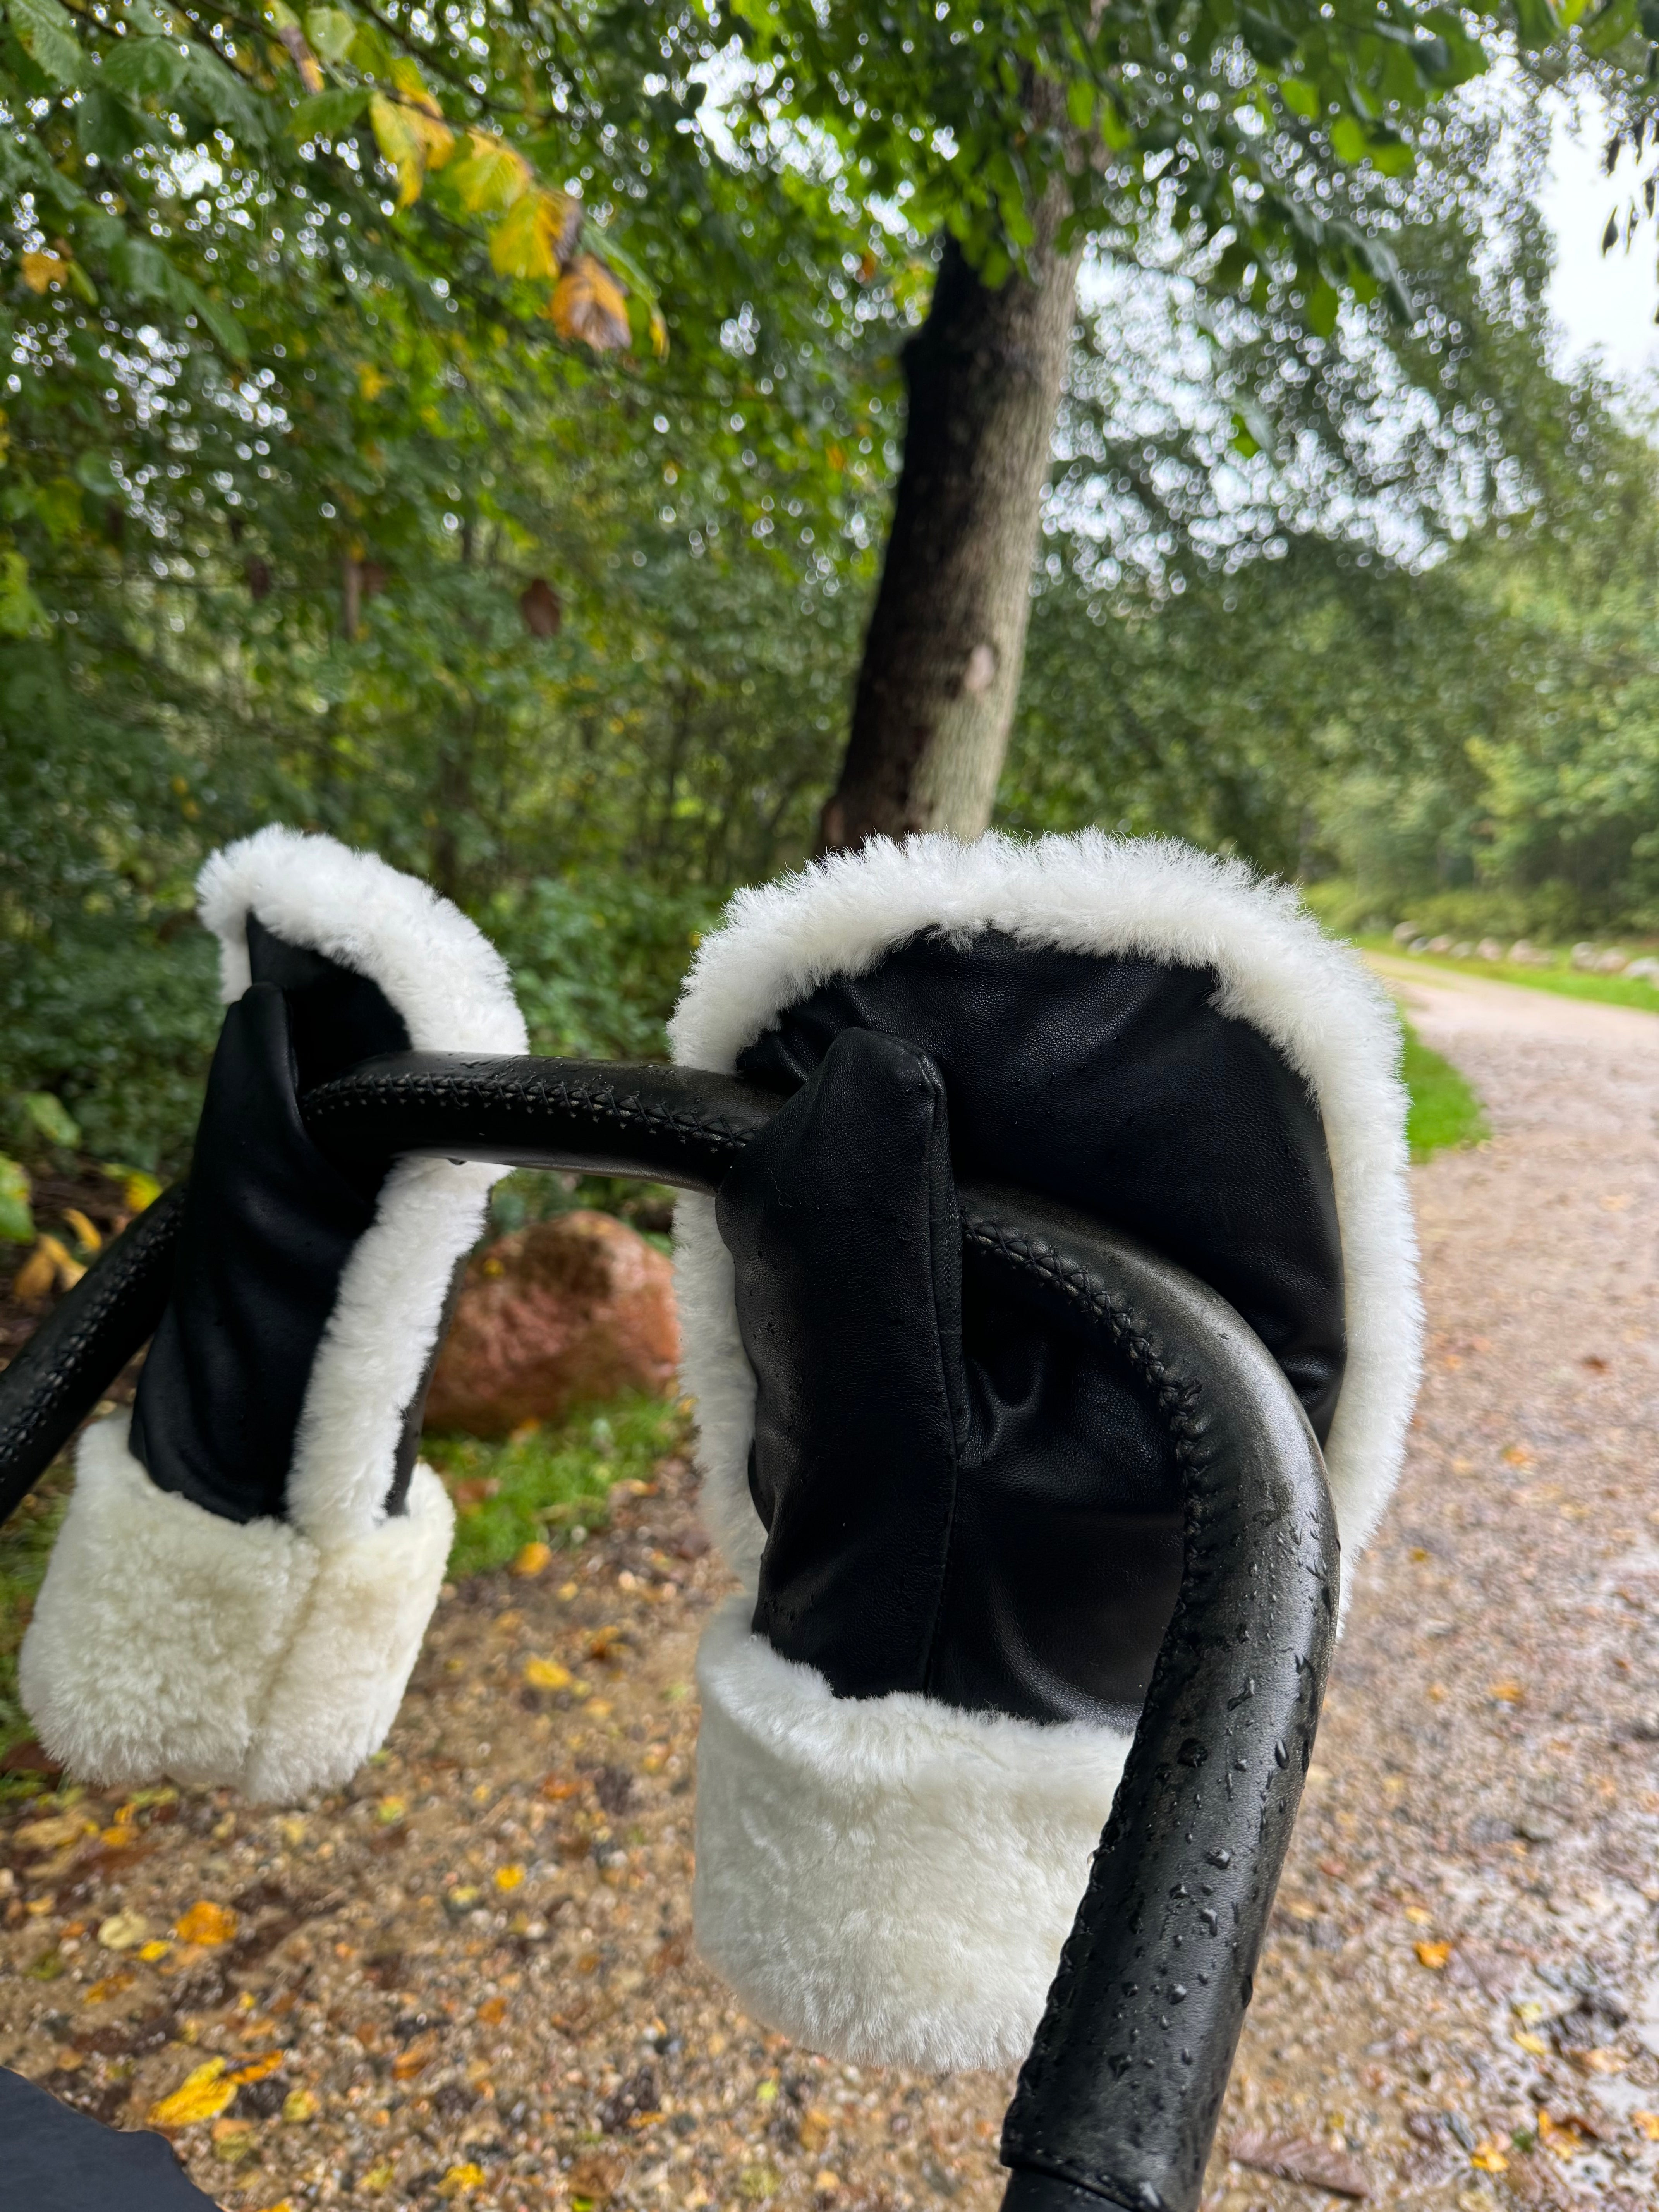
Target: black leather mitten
961,1532
242,1581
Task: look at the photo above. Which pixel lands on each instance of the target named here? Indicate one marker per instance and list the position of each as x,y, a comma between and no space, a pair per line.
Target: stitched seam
605,1106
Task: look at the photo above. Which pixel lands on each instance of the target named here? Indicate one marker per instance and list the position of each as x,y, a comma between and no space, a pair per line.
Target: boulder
567,1310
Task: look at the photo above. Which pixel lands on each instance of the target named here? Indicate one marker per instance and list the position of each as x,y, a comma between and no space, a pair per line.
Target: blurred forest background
542,567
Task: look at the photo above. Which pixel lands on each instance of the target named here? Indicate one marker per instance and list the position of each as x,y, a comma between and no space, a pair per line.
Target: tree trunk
947,642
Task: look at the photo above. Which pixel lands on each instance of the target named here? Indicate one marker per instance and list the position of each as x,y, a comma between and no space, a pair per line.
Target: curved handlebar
1118,2101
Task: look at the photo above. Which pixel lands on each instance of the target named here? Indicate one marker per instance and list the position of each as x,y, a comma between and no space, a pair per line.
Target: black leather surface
270,1223
55,2159
1112,1085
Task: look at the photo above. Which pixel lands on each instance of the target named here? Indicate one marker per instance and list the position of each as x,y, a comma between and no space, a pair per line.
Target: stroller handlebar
1119,2098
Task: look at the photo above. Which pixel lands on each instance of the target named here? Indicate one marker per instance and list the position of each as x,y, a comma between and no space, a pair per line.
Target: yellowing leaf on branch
410,132
590,305
202,2095
490,175
371,383
41,271
535,235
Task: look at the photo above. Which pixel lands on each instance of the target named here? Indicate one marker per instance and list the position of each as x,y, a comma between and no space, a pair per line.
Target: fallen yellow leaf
532,1560
508,1877
299,2106
1433,1955
390,1810
255,2069
1533,2044
546,1674
460,2179
206,1922
149,1953
1563,2137
1506,1693
377,2178
1488,2157
1418,1915
1648,2124
202,2095
110,1986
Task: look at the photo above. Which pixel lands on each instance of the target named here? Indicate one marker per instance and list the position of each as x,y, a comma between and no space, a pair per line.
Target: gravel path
468,1980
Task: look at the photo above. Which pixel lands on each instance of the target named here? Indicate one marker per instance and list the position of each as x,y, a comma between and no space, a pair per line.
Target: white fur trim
886,1878
1310,997
344,1674
453,991
274,1655
166,1640
438,968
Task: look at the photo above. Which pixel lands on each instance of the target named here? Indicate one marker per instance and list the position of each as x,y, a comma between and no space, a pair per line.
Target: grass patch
1568,982
548,1483
26,1542
1445,1111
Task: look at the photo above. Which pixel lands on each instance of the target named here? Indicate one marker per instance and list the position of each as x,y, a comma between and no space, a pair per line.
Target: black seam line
929,1653
1175,1398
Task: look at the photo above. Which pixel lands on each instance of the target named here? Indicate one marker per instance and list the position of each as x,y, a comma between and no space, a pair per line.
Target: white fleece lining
886,1878
168,1641
293,1675
890,1879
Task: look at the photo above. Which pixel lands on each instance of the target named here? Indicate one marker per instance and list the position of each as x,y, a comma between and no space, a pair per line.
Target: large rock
573,1309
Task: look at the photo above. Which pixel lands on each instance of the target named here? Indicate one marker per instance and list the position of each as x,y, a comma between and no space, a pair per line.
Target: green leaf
94,474
228,334
1537,21
47,34
144,67
16,1222
1323,302
331,32
21,614
108,126
141,269
1300,97
328,114
1611,27
51,1117
1080,102
226,98
1349,141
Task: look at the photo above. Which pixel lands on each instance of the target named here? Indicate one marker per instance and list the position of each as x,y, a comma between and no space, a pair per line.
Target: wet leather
1115,1086
270,1224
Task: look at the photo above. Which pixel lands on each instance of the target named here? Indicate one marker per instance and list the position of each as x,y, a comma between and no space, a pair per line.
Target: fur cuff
1310,997
886,1880
168,1641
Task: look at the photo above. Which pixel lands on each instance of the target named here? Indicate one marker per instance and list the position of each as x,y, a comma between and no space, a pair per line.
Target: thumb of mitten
842,1220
